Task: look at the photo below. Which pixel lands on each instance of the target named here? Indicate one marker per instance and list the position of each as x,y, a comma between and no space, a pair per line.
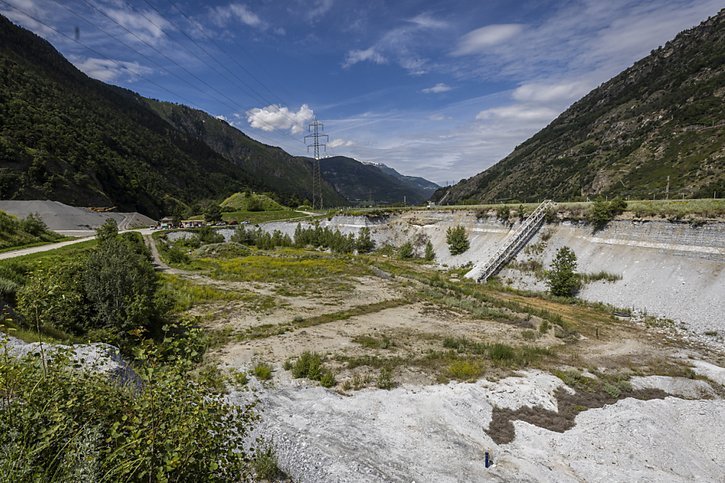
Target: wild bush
406,251
562,278
457,239
602,212
59,423
429,254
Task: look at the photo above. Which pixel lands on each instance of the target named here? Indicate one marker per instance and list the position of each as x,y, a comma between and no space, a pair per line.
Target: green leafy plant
457,240
263,371
429,254
562,278
406,251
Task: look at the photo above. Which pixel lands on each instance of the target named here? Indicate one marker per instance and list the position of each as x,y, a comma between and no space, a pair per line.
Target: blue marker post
488,460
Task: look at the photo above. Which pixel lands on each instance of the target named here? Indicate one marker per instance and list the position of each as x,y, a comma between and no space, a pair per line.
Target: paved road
54,246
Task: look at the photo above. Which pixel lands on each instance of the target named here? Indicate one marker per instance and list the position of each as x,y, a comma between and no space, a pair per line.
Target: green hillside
247,201
289,176
73,139
363,183
30,231
663,117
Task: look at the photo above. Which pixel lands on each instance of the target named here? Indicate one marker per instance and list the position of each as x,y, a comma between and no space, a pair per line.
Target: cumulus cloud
111,70
355,56
437,89
340,143
481,39
224,15
275,117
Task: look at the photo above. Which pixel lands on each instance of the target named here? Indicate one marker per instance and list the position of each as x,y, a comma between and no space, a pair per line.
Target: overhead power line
118,63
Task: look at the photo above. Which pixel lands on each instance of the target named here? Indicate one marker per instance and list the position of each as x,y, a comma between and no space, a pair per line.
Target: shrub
265,464
120,286
62,424
309,365
56,297
562,278
327,379
263,371
465,370
457,239
34,225
602,212
212,213
385,379
207,235
405,251
503,213
364,243
430,254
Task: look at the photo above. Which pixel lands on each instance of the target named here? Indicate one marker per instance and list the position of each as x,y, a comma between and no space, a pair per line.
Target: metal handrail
512,243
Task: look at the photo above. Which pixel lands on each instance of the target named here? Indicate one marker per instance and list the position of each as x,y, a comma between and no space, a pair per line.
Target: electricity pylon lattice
312,140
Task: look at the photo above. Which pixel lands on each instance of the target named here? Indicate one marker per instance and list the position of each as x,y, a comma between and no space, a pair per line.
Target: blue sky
440,89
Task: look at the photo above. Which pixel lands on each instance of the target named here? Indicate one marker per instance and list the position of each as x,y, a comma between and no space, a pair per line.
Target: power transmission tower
316,128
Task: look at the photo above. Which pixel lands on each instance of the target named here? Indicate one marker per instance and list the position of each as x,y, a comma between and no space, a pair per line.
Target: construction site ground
432,371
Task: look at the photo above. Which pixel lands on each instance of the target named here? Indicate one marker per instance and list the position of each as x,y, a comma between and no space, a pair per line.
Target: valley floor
431,371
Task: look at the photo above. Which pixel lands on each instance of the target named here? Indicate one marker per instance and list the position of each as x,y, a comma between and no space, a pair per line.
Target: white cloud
355,56
340,143
146,25
481,39
111,70
438,117
518,112
402,45
425,21
275,117
437,89
551,92
224,15
319,9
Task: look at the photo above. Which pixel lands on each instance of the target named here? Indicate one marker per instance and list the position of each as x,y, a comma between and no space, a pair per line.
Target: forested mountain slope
664,116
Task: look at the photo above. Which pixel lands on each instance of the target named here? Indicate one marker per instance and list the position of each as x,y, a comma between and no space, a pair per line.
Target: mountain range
656,129
77,140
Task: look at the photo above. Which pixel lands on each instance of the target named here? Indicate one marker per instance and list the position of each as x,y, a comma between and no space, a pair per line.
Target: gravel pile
62,217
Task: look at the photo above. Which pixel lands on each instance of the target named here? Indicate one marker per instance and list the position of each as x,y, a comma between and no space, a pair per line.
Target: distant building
192,223
166,222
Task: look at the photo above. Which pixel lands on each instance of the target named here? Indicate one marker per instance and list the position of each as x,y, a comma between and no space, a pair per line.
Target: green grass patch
262,371
185,294
256,217
310,366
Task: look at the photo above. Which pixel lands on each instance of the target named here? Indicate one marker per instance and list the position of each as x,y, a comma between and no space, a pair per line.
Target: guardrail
512,244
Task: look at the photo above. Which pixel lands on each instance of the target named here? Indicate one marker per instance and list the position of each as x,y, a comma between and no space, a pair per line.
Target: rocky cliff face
663,116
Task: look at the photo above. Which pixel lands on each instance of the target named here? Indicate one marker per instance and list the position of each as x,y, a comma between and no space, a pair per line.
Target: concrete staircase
511,245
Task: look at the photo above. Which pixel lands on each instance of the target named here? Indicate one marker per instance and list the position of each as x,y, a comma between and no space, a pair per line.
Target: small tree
429,253
562,278
406,250
34,225
212,213
602,212
364,243
457,239
107,231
